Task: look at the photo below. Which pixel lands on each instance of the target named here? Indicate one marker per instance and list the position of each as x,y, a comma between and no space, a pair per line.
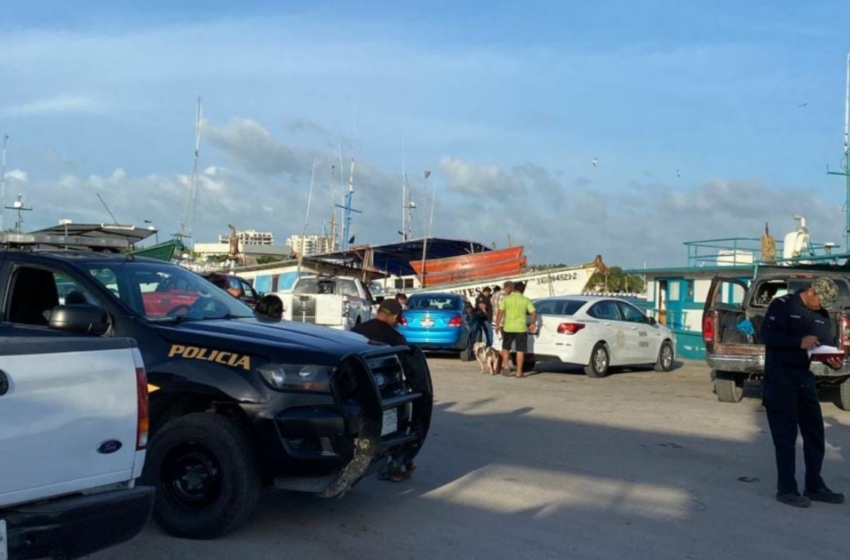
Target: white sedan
599,333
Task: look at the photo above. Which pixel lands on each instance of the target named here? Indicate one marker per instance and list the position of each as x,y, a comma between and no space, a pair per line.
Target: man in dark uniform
796,323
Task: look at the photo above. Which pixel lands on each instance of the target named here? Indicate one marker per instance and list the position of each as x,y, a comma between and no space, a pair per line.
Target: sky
706,120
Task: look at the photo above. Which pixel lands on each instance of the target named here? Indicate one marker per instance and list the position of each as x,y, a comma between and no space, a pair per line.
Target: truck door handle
4,383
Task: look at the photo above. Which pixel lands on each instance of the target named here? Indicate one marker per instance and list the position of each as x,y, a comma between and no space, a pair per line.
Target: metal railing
744,251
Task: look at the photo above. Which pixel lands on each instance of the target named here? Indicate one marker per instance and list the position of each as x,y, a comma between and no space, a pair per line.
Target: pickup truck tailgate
317,309
69,406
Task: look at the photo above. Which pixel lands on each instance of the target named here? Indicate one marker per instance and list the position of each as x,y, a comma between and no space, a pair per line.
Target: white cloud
17,175
58,105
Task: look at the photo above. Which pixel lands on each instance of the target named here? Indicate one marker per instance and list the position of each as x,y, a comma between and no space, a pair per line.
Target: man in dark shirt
382,327
795,324
484,316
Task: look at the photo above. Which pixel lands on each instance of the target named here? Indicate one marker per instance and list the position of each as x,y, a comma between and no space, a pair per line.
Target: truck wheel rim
600,360
191,476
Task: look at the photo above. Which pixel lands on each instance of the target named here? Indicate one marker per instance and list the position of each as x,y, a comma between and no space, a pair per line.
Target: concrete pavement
637,465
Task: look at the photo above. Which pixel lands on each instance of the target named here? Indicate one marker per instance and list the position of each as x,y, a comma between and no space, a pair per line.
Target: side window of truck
35,292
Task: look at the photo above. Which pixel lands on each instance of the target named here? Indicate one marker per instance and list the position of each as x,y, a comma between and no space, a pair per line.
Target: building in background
307,245
249,237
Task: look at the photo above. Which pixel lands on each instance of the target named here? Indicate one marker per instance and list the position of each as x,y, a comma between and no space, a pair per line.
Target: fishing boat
470,267
562,281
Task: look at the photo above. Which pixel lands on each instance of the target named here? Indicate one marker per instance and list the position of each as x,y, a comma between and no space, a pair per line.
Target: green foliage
267,259
616,281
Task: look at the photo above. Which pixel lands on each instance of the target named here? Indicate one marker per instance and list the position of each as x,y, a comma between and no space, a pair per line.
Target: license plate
4,541
427,323
390,425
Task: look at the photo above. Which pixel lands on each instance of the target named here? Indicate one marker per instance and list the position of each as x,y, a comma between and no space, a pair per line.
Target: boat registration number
390,424
4,541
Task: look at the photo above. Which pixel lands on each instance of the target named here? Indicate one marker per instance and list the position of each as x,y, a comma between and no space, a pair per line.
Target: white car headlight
298,377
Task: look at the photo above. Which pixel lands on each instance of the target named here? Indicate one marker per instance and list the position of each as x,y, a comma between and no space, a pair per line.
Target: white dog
486,356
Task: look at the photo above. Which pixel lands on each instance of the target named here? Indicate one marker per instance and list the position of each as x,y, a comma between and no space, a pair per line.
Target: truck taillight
708,327
346,308
143,404
570,328
456,321
844,330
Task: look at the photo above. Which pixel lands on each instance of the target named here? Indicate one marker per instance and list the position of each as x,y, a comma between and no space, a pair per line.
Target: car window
106,277
606,310
435,303
35,292
558,306
630,313
248,290
315,286
348,288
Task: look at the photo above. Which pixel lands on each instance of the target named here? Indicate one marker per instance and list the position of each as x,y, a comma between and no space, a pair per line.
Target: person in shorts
512,324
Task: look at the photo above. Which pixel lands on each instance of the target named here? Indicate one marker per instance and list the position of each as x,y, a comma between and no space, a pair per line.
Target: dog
487,357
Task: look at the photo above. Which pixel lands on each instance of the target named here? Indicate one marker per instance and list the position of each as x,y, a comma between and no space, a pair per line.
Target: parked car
736,357
599,333
436,322
73,431
237,402
338,302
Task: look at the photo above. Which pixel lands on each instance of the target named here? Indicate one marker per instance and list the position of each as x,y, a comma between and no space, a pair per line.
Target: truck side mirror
378,300
80,318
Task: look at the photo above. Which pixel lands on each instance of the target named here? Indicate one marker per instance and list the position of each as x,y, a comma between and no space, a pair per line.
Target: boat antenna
186,228
3,180
427,174
111,215
403,193
333,209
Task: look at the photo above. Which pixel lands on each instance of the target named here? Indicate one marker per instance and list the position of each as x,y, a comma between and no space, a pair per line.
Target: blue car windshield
435,303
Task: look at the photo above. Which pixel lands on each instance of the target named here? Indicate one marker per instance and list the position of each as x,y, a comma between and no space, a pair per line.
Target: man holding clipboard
795,325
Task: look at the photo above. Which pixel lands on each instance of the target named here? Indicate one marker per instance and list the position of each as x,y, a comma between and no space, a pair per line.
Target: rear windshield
435,303
768,290
558,306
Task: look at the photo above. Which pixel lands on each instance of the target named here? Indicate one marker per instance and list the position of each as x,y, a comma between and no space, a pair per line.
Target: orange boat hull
492,270
472,261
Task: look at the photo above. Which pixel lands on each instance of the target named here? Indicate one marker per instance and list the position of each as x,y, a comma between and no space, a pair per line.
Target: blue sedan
436,322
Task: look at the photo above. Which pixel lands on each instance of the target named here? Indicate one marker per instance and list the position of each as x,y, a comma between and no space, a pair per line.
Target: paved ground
637,465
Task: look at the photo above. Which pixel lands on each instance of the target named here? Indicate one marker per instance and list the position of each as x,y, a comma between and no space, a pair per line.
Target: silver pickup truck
73,431
734,312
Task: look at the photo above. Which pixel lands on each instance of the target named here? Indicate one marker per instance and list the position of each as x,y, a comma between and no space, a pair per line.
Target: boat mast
186,228
427,174
306,219
333,210
403,194
3,181
846,163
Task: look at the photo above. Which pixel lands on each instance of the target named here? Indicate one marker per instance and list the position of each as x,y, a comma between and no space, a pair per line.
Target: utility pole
846,165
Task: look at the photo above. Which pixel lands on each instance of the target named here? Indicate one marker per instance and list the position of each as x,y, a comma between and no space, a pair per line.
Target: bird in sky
594,161
678,174
801,105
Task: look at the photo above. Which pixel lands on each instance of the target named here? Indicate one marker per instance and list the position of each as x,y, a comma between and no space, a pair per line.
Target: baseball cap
827,290
390,306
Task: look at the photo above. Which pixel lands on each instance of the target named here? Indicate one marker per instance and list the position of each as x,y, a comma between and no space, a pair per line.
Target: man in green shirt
511,323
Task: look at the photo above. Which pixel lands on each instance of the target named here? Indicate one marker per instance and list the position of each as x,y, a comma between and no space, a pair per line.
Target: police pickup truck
73,429
734,313
238,402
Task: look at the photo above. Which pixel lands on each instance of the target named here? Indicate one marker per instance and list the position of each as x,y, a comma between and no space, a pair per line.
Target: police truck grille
388,374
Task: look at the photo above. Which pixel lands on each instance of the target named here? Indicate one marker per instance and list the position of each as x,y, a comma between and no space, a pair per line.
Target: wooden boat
473,266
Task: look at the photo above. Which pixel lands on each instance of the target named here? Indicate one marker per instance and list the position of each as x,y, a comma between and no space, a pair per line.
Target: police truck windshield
162,292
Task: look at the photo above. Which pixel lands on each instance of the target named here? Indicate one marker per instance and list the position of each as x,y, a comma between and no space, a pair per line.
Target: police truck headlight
298,377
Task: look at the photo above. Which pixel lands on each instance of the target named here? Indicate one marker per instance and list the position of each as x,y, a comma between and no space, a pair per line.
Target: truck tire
600,361
205,474
844,395
665,357
729,387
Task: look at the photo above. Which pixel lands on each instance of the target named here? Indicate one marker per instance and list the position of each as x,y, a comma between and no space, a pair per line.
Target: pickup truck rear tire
729,387
205,474
844,395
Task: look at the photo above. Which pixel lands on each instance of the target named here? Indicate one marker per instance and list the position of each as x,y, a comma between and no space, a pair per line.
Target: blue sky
506,102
